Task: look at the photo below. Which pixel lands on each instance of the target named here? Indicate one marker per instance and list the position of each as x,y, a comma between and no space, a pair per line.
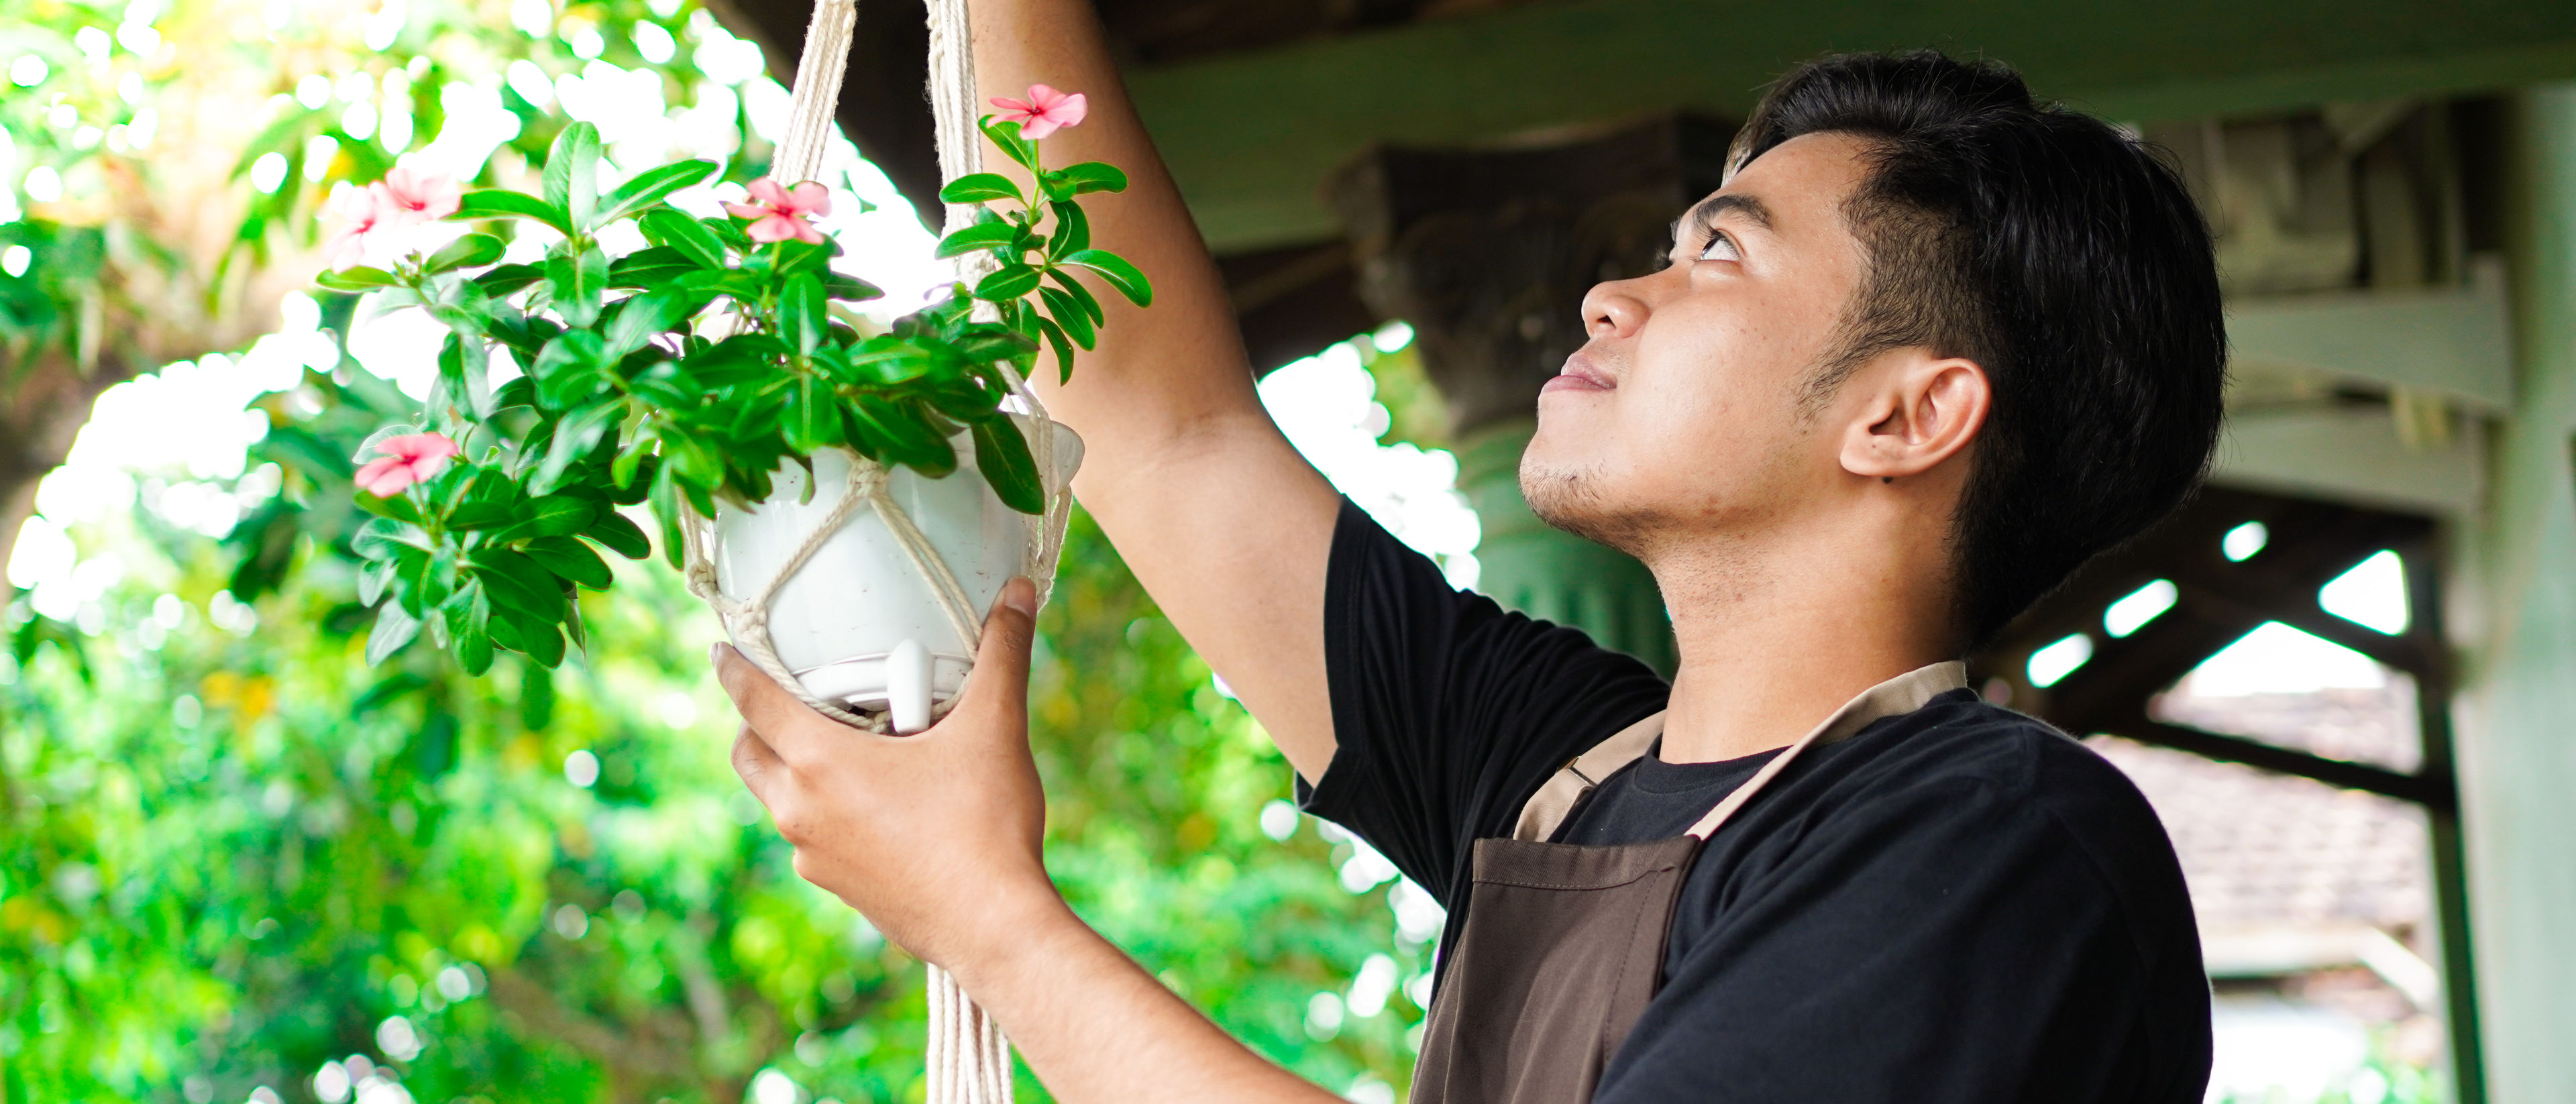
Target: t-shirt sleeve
1448,711
1948,943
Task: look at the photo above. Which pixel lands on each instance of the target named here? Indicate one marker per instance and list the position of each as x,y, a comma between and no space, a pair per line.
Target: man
1930,347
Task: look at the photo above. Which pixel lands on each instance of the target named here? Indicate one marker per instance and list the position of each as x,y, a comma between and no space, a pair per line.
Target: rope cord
968,1060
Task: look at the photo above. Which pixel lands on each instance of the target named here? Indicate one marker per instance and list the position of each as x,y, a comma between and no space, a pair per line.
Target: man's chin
1574,500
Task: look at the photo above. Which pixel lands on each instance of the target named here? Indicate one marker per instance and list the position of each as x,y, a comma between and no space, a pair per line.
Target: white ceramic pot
857,623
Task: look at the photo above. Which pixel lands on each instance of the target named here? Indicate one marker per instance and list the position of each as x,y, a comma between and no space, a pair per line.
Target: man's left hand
935,837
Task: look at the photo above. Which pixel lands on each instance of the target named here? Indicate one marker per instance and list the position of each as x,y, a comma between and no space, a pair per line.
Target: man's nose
1614,308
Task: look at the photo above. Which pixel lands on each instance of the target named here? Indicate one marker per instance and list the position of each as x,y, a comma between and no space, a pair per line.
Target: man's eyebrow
1706,213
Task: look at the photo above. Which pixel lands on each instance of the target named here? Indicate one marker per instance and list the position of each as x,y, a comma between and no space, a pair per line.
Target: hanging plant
686,374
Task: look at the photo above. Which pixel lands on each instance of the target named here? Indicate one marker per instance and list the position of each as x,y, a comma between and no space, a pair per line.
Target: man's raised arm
1225,524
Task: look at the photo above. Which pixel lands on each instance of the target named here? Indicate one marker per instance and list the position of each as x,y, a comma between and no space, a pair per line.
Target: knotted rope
969,1062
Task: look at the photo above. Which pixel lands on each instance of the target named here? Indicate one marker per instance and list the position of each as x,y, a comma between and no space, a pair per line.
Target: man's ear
1919,410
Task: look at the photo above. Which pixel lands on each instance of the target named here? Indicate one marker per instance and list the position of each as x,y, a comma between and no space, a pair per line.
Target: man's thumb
1000,682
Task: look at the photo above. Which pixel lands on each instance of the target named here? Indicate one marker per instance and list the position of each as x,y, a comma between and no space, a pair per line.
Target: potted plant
715,374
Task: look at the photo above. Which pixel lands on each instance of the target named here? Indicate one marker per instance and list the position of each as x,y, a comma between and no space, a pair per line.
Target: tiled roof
2264,851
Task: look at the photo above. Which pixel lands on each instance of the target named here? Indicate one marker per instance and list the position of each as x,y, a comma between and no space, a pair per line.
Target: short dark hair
2062,255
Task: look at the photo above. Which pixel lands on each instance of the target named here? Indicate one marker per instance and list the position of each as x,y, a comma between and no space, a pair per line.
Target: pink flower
403,199
363,218
407,459
418,196
778,214
1044,111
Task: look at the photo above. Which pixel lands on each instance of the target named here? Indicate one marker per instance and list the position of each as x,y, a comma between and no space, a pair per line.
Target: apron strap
1900,695
1555,800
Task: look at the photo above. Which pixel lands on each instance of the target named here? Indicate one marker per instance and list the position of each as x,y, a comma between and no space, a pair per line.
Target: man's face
1682,415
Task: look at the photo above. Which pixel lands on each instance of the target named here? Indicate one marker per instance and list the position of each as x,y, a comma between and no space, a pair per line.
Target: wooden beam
2454,341
2430,791
1249,137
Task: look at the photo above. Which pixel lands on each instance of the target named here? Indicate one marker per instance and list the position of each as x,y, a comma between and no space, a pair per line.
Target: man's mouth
1579,375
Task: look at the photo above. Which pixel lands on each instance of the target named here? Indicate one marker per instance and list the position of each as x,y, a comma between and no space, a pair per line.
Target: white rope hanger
969,1062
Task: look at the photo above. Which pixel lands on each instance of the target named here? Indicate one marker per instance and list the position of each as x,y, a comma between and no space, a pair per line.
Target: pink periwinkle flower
362,220
407,459
418,196
1044,111
369,215
779,213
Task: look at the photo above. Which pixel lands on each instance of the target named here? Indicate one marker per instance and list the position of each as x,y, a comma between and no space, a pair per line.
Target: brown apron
1564,945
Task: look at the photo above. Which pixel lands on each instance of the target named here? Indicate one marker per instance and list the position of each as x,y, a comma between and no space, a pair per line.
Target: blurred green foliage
234,852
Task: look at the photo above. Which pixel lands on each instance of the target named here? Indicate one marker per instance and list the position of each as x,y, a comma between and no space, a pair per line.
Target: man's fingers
999,687
785,724
756,762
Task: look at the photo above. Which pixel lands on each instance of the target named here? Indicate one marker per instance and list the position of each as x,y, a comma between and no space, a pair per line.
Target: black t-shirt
1956,904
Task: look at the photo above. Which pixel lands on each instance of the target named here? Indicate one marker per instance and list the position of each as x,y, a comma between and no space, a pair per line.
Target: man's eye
1720,248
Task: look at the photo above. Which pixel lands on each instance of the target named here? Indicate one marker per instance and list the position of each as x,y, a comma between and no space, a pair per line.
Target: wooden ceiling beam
1250,136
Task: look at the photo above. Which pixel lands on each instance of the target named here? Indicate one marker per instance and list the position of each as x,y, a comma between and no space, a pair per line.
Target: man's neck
1779,631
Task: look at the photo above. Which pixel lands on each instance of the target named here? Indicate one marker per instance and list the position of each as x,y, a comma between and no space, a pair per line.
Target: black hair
2062,255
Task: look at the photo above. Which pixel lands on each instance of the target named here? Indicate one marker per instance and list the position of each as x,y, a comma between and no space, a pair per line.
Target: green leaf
398,507
468,517
572,175
466,252
1008,282
394,628
576,283
1072,230
499,203
850,289
800,312
537,639
900,432
1070,315
373,577
554,515
666,514
1007,136
464,368
1089,176
982,235
888,360
354,278
793,257
1063,348
572,368
631,474
475,649
674,230
646,268
1003,456
1081,295
650,187
979,188
1117,271
506,279
617,534
545,646
813,421
574,438
643,316
516,582
572,560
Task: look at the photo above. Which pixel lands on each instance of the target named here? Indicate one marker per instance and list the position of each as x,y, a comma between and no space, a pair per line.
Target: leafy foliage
723,363
234,854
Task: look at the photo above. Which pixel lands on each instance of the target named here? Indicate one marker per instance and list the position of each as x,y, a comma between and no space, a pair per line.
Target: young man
1931,347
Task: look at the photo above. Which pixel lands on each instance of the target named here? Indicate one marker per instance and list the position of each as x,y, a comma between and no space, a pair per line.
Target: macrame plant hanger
969,1061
